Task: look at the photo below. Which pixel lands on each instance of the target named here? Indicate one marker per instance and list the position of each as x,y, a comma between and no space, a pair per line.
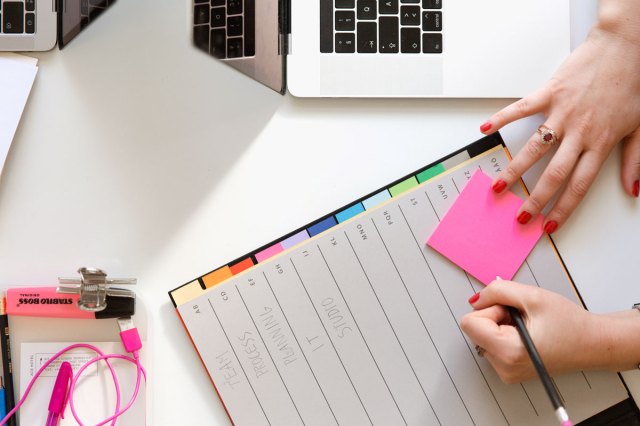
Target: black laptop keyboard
381,26
18,17
225,29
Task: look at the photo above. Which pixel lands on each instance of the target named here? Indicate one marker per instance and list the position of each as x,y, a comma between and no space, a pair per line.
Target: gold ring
547,136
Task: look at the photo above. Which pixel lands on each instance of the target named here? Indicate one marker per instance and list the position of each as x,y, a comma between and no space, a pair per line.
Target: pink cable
140,372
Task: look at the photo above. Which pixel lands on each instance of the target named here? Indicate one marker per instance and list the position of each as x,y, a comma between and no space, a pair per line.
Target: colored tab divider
269,252
221,274
238,267
403,186
295,239
349,212
321,226
187,291
217,276
376,199
430,173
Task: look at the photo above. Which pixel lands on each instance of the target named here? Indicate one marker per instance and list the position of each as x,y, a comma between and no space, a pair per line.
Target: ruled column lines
392,328
361,335
426,329
238,359
471,351
330,340
269,352
301,349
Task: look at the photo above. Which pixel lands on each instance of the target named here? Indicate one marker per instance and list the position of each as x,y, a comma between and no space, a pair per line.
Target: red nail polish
499,186
473,299
550,226
524,217
485,126
636,188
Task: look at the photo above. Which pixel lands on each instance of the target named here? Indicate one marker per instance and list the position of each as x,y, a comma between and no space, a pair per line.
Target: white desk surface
140,155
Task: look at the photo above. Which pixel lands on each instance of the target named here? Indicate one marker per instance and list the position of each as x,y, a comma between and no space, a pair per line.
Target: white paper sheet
17,74
94,397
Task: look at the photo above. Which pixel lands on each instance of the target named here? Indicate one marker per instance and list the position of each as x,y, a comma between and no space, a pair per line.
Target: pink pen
59,395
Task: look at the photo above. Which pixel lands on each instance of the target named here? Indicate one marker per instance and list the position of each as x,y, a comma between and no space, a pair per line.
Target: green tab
403,186
430,172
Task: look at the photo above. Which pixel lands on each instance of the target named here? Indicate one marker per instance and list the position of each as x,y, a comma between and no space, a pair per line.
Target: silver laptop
35,25
388,48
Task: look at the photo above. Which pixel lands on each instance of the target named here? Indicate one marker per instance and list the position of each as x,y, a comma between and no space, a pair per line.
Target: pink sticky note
480,233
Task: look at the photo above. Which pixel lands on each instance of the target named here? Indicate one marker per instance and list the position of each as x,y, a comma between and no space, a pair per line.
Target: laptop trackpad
381,75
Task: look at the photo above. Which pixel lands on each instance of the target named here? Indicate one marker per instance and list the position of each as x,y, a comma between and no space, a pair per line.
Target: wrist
619,18
619,345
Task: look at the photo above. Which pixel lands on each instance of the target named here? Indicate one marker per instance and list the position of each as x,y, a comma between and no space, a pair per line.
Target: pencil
545,378
7,369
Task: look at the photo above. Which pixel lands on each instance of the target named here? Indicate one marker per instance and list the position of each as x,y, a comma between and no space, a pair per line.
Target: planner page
359,325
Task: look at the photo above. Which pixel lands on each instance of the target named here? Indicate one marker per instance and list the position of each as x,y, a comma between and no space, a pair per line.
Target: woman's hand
591,103
567,336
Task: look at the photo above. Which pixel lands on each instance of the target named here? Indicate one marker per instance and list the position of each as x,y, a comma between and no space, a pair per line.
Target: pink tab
480,233
269,252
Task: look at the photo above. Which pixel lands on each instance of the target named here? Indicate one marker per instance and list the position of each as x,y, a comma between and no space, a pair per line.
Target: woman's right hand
568,337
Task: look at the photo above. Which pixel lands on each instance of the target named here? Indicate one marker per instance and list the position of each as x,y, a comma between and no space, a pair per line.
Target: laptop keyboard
225,29
381,26
18,17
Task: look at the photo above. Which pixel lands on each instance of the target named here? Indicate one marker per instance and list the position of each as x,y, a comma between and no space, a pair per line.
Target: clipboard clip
94,287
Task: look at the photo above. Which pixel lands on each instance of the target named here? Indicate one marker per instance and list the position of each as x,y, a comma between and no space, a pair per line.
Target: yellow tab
187,293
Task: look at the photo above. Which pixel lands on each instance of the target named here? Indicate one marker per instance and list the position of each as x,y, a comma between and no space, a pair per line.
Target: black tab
410,40
432,43
13,17
30,5
367,37
345,42
30,23
389,38
218,44
249,27
432,21
388,7
367,10
326,26
215,3
432,4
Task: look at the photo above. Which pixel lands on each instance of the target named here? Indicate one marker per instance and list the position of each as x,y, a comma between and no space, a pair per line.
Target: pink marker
59,396
47,302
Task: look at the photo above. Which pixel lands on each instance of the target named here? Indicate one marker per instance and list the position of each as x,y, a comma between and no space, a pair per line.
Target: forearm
618,348
621,18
